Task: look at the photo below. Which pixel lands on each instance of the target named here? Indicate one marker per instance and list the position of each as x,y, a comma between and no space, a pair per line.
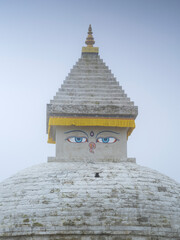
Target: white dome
67,201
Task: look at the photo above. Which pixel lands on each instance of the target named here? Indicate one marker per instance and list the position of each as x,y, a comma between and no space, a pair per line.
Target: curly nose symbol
92,146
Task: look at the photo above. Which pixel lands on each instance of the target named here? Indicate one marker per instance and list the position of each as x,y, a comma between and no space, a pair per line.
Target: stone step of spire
86,59
85,71
86,74
91,76
90,67
91,81
92,64
92,110
81,99
91,90
91,102
86,98
65,92
94,60
90,96
100,88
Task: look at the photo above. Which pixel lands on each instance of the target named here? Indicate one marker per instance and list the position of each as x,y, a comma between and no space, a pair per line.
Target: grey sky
41,40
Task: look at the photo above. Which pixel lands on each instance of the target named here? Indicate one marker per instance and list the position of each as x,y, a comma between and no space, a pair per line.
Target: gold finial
90,40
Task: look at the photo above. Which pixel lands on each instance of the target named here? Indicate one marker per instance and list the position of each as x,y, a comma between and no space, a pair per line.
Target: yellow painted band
111,122
90,49
50,140
106,122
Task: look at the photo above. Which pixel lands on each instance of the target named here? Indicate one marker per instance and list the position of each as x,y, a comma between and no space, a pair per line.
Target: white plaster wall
103,152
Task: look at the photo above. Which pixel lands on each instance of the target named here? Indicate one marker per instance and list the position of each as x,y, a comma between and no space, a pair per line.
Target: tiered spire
90,96
90,42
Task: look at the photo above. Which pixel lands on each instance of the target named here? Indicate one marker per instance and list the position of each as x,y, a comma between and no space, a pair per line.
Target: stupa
90,189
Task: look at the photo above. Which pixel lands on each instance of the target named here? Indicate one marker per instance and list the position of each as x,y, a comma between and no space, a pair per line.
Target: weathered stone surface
66,201
87,237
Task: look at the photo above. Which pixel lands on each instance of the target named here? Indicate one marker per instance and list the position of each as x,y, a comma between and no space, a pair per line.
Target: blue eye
77,139
106,140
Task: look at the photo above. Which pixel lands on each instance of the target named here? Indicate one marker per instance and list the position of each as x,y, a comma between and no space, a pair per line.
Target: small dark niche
162,189
142,219
97,174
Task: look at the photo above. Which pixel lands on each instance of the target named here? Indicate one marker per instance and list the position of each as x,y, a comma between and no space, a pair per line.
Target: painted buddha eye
106,140
77,139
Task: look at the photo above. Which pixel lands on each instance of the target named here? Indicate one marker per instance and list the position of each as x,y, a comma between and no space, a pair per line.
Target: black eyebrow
77,131
106,131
